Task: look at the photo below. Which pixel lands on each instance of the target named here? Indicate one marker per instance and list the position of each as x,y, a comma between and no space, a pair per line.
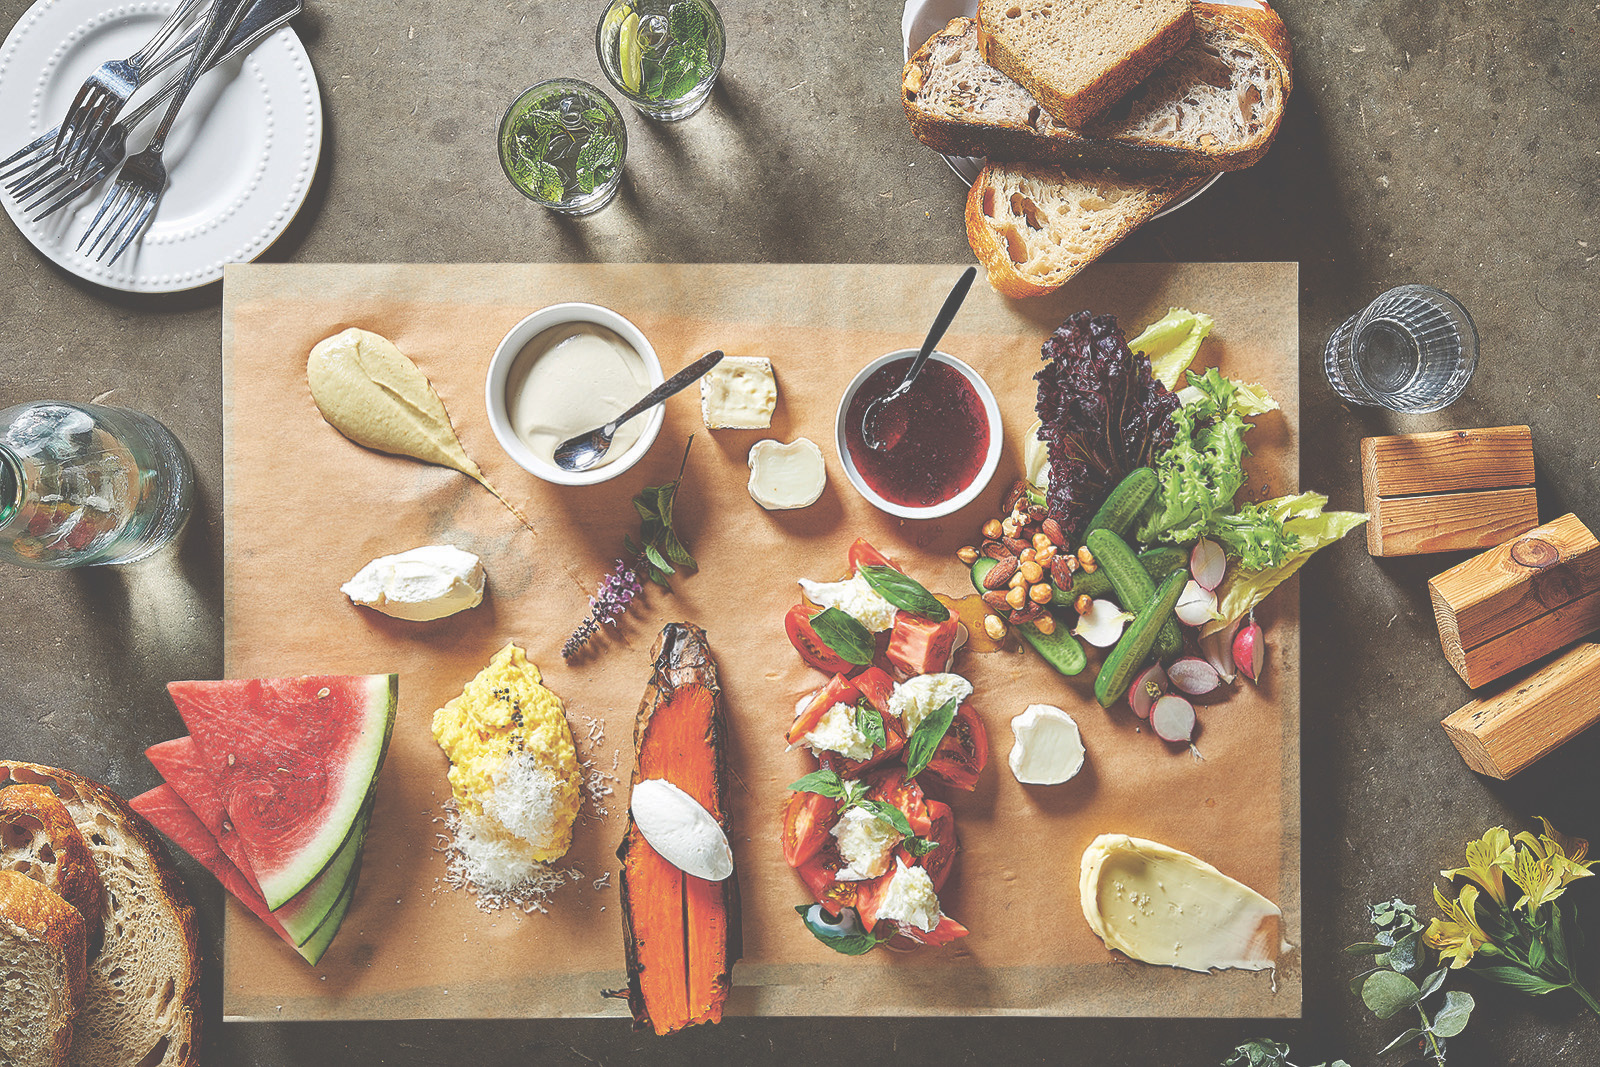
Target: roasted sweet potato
681,932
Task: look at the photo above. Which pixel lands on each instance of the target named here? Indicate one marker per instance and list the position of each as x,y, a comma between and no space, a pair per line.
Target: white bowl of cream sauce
564,370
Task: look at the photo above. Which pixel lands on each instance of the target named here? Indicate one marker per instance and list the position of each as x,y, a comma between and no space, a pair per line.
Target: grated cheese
527,801
497,867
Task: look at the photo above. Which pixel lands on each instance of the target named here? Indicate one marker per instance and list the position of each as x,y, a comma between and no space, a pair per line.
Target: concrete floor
1443,142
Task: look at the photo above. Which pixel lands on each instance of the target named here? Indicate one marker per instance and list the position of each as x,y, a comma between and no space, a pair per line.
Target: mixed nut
1033,560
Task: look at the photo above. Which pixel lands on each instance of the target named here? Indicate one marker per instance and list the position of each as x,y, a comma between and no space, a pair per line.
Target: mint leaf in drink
602,151
687,23
683,67
594,118
547,184
585,181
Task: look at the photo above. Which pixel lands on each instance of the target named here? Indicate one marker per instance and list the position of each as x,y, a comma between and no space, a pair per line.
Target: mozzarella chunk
855,598
910,898
865,842
837,732
916,699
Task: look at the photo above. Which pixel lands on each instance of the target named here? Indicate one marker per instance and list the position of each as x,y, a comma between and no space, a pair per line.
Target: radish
1194,676
1218,650
1207,563
1197,605
1146,690
1250,649
1172,718
1102,624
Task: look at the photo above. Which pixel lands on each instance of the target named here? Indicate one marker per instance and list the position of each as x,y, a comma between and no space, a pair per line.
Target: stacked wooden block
1535,592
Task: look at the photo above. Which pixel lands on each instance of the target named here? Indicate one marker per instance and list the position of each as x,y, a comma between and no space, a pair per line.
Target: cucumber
1133,648
1125,503
1133,584
1157,562
1060,649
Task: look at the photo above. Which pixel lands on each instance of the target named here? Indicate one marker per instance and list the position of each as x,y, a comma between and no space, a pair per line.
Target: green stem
1588,998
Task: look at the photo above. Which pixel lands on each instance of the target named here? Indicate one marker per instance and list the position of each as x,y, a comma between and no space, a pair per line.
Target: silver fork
102,96
143,178
46,181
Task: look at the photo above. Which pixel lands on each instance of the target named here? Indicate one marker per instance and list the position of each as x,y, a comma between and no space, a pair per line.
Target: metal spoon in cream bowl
586,449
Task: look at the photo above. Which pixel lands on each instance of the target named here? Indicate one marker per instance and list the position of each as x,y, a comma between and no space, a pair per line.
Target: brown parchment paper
305,509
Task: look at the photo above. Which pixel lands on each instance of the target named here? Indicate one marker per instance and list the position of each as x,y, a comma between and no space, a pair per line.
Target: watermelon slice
179,763
295,761
167,812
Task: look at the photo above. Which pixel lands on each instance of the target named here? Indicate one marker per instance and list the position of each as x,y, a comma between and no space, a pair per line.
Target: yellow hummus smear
513,769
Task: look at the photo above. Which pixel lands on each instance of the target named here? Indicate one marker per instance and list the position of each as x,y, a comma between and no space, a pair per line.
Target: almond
1030,613
996,551
1061,572
1000,573
995,600
1052,529
1017,547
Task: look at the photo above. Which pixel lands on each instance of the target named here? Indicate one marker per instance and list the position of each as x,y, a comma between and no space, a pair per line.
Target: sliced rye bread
42,967
1034,225
1079,57
39,839
1216,105
142,1005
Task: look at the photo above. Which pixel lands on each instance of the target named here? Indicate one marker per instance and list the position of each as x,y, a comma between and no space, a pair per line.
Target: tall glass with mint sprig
1507,922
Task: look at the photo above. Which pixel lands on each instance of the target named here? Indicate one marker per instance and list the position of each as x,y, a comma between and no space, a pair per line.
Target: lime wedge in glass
629,58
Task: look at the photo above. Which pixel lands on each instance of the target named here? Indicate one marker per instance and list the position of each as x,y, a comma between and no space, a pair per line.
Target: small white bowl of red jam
951,444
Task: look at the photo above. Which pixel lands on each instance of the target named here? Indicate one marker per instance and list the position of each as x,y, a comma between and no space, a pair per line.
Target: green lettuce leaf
1204,469
1170,343
1302,517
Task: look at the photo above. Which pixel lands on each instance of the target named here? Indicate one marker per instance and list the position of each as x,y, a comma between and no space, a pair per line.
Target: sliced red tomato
922,646
937,862
806,819
962,752
863,554
837,691
806,641
876,685
947,931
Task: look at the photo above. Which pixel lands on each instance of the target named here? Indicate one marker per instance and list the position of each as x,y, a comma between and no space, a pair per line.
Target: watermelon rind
319,941
304,915
283,875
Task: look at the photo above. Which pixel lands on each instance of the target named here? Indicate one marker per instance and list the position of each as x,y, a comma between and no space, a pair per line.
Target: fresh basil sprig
870,722
917,846
828,784
925,738
847,637
904,592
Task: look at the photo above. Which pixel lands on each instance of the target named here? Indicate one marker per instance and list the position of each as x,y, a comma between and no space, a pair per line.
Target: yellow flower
1457,937
1543,867
1487,861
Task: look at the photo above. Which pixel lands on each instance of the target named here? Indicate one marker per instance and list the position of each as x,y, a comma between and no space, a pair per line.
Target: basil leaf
844,635
653,554
904,592
870,723
921,846
891,815
845,935
823,782
925,739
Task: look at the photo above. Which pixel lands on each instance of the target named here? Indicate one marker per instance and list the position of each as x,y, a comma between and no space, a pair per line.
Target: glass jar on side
83,484
563,145
661,55
1412,350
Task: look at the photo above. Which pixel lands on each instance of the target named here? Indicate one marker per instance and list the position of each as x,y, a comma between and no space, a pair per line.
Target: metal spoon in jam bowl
585,450
882,426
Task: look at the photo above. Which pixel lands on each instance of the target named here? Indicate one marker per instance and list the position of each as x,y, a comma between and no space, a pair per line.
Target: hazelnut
1017,597
1086,560
1045,624
1026,555
1041,593
1031,571
967,554
991,529
1046,555
1084,604
1017,579
995,627
1041,542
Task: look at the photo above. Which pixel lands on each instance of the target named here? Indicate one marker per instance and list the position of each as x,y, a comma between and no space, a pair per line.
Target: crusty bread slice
1034,225
42,966
1214,106
39,839
142,1005
1079,57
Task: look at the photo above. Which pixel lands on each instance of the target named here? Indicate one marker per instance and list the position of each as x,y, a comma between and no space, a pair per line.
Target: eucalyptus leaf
1410,1035
924,741
1387,992
1404,956
904,592
852,641
1431,984
1366,948
1452,1018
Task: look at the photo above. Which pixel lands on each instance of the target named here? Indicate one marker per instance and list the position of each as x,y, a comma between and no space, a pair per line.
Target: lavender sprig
616,592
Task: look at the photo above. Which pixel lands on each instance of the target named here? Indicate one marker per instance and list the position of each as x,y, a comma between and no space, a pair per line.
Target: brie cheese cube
855,598
919,697
739,393
1048,748
910,898
865,842
679,827
420,585
784,477
837,732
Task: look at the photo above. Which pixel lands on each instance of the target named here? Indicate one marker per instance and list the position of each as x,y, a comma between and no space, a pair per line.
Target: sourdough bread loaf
1079,57
1034,225
39,839
1216,105
142,1001
42,964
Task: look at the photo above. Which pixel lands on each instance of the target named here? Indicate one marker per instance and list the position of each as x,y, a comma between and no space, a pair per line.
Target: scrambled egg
512,759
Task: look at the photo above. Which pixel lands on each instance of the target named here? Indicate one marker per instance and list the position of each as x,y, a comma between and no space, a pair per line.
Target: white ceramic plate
924,18
241,155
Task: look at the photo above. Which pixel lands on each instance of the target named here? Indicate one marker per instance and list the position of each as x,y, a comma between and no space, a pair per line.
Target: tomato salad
873,849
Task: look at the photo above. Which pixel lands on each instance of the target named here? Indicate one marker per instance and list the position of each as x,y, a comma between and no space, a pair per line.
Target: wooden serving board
305,509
